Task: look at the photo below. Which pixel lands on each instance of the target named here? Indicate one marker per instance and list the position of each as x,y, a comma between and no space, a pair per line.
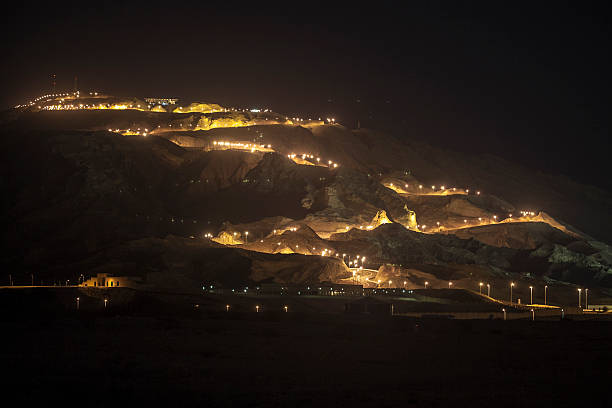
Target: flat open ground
298,359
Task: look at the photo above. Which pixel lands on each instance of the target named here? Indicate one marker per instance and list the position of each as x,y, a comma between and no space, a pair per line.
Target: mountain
99,188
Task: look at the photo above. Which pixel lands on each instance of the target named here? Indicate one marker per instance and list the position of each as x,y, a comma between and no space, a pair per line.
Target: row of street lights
586,300
586,294
258,308
78,303
512,284
533,314
480,285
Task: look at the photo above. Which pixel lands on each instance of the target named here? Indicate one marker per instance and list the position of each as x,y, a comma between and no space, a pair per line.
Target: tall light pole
246,237
488,290
545,288
504,310
78,301
532,315
511,286
579,298
531,295
480,288
586,298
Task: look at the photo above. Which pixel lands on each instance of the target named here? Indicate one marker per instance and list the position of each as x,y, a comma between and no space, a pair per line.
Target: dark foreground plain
296,359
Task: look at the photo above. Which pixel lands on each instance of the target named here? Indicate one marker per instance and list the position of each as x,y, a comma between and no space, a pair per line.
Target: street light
480,288
531,295
532,315
488,290
579,298
511,286
105,303
286,308
586,298
227,308
504,310
246,236
389,284
545,288
78,301
450,284
426,283
257,309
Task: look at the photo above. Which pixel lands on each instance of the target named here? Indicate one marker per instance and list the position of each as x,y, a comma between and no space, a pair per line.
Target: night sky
531,84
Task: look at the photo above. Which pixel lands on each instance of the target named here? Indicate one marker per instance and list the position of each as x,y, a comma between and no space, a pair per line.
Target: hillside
83,186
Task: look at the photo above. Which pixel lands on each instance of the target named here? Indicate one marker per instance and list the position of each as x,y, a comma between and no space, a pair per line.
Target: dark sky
529,83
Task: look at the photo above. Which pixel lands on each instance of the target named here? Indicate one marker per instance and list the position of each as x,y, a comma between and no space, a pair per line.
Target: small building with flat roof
105,280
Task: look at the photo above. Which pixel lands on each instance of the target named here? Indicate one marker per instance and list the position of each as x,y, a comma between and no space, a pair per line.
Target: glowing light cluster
417,189
44,98
307,158
81,106
242,146
131,132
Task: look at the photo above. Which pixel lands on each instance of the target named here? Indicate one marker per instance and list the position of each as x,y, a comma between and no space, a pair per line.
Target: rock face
228,238
299,269
380,218
529,235
228,121
219,171
199,107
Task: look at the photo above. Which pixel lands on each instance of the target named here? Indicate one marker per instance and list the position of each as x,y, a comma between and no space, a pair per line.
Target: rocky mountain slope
81,186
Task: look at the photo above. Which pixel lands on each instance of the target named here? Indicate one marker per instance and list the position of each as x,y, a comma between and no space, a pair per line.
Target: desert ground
206,357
